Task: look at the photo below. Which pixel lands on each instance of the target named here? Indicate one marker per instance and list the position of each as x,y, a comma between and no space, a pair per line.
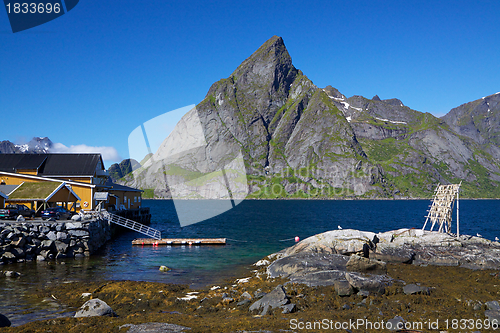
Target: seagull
496,239
340,228
478,235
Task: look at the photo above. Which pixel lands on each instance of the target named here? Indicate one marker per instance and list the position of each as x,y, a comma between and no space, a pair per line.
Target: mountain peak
271,58
333,92
376,98
393,102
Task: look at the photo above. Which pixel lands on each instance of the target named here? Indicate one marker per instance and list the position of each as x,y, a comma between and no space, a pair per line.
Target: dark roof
52,164
118,187
13,162
71,164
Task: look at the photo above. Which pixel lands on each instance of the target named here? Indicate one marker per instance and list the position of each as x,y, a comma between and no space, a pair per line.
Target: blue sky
93,75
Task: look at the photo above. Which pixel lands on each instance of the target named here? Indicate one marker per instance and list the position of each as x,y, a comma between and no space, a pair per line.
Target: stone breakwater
28,241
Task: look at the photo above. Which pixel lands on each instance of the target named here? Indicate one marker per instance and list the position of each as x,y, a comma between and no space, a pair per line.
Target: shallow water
254,229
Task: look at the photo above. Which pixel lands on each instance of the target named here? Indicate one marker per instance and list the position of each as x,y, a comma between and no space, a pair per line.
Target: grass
34,190
174,170
483,187
149,193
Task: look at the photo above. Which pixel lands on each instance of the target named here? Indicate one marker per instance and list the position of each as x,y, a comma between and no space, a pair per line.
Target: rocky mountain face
417,150
480,121
298,140
118,170
37,145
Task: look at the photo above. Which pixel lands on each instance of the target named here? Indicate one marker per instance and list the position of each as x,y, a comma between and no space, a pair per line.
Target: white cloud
108,153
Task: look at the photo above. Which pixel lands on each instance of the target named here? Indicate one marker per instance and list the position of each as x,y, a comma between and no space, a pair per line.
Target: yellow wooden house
124,197
82,174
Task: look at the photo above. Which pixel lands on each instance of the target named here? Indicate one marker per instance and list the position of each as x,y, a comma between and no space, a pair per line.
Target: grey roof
52,164
6,189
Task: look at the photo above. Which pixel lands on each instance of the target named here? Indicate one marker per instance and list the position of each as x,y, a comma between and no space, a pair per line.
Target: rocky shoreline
398,277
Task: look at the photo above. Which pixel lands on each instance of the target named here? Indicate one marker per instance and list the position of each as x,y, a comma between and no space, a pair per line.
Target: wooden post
458,210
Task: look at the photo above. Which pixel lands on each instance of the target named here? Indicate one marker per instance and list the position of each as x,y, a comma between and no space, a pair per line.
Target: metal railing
132,225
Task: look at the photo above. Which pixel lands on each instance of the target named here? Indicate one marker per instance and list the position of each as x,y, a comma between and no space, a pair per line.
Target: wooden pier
179,241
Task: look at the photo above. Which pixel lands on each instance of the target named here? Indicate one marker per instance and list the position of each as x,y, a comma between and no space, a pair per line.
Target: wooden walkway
179,241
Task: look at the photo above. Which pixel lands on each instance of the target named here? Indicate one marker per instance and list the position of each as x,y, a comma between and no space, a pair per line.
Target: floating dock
179,241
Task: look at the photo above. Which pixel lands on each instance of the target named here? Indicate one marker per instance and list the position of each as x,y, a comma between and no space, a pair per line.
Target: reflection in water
20,301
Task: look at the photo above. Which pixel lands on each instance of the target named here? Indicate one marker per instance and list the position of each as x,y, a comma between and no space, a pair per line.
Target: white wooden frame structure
442,207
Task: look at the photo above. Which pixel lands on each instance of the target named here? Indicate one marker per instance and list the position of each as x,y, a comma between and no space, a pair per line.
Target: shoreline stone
154,327
275,299
4,321
94,308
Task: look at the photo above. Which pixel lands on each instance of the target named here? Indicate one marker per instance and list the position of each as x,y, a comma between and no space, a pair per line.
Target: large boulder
154,327
418,237
372,283
51,235
346,241
492,315
275,299
47,244
303,263
79,233
19,241
319,278
12,274
75,224
493,305
393,254
435,256
4,321
343,288
8,256
62,236
61,247
366,265
94,308
422,247
413,289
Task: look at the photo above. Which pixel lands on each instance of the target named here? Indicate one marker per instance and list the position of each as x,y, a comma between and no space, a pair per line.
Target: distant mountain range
37,145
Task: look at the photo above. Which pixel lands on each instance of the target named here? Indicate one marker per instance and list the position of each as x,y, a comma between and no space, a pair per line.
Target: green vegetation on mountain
117,171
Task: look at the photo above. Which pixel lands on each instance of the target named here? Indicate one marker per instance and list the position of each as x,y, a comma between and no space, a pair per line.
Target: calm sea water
255,228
